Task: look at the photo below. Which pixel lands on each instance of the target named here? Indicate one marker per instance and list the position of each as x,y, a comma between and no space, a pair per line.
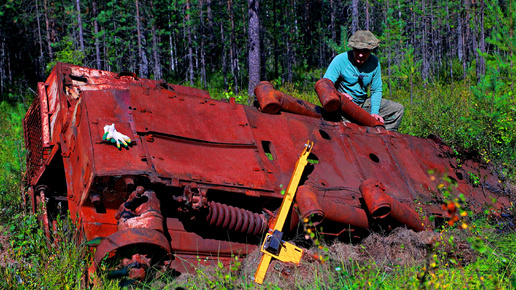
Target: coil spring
235,219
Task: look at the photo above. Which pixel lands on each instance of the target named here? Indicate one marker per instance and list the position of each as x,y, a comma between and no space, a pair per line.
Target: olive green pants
390,111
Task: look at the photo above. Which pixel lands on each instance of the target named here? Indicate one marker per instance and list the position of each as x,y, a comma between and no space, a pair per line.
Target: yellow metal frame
288,252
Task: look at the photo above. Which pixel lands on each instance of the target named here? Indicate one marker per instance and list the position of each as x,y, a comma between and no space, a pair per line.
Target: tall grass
36,262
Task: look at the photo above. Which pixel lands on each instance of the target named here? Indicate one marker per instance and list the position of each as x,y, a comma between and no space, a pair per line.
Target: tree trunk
414,32
190,45
171,47
424,45
79,23
144,63
481,63
212,55
367,17
332,22
291,38
461,47
41,59
449,36
158,75
49,29
433,59
254,45
474,38
224,57
203,58
468,37
2,63
275,37
232,48
389,52
96,30
354,16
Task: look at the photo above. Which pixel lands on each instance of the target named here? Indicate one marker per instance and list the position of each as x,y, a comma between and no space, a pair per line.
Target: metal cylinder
308,205
266,96
327,94
377,202
354,113
272,101
373,188
343,213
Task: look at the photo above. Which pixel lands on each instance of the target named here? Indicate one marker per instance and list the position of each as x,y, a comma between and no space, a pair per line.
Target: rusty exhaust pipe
272,101
381,205
328,95
308,205
343,213
332,100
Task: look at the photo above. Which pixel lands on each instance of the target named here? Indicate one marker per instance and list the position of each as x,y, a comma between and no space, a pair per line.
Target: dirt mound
401,247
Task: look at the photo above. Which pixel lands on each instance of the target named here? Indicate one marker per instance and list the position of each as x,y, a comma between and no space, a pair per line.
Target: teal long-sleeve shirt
346,75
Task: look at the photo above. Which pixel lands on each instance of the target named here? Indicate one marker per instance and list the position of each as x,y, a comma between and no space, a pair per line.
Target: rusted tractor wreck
202,179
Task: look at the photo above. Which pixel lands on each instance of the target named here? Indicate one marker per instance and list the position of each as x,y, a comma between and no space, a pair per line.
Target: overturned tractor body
203,179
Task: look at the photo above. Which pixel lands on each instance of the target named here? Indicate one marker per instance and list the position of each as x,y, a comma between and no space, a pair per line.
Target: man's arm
376,92
333,73
334,69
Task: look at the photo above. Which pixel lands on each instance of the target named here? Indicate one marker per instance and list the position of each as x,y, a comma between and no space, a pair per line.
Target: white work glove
113,136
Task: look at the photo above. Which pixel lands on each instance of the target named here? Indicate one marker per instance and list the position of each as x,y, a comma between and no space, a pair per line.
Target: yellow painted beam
288,252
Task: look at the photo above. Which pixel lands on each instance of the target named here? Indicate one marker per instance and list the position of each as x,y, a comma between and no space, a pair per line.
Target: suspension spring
235,219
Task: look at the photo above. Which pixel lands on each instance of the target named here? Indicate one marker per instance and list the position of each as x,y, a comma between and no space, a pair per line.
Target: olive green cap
363,39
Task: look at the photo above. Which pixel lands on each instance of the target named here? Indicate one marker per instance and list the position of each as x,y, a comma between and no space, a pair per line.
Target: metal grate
33,139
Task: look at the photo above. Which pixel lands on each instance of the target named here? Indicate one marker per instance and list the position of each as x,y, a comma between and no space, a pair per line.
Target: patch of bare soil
401,247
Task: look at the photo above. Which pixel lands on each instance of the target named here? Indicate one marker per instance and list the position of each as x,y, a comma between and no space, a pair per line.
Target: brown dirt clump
402,247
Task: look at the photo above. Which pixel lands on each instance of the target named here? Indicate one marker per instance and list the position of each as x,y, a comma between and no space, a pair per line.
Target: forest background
450,63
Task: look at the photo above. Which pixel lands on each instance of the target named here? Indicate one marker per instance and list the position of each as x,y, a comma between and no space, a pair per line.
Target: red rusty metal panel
54,93
97,229
108,107
75,143
228,165
172,114
412,155
374,159
334,175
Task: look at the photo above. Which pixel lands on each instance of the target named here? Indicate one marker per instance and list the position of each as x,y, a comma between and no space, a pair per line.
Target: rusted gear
136,266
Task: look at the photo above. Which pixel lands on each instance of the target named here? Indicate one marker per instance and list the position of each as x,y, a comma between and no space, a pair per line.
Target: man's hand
378,117
344,95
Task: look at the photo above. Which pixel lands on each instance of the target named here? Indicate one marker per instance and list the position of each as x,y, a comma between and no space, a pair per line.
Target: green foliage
489,124
39,263
12,158
27,238
66,52
240,99
343,47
